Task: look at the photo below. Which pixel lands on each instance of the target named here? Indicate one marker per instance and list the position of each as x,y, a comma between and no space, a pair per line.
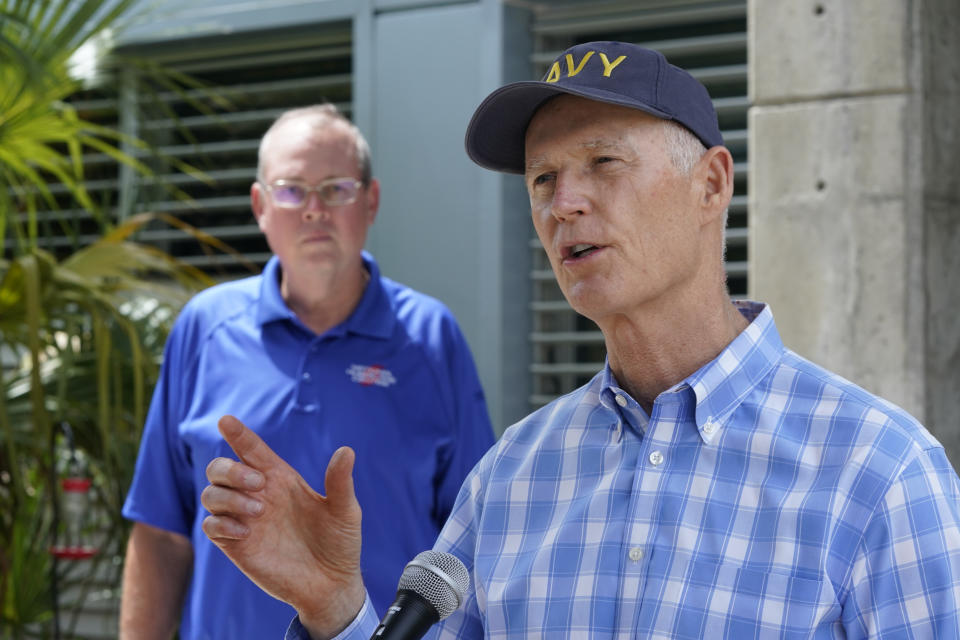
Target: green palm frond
42,137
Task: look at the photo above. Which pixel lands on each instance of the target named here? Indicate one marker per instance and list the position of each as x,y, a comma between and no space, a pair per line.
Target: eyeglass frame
309,188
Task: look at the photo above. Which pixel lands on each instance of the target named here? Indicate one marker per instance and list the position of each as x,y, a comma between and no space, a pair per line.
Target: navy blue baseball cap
614,72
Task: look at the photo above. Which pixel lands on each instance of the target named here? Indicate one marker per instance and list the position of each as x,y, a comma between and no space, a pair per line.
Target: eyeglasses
333,192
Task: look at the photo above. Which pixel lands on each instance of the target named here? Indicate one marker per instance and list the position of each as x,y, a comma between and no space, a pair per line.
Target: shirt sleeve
162,492
361,628
473,433
907,572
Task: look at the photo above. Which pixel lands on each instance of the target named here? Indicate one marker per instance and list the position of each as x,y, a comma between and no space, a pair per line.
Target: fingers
222,529
247,445
223,501
230,473
229,508
339,479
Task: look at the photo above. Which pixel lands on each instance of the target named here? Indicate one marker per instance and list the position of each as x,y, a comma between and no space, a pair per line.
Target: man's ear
373,200
715,173
257,196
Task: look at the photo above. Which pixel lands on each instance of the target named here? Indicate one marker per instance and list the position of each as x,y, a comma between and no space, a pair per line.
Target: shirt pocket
705,600
771,604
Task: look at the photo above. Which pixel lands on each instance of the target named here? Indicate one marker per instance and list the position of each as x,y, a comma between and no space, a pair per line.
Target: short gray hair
322,114
684,148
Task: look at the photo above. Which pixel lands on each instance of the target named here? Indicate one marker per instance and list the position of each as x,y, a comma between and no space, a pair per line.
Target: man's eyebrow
534,165
537,163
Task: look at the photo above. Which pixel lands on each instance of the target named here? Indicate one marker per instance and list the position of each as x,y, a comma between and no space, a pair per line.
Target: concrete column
855,192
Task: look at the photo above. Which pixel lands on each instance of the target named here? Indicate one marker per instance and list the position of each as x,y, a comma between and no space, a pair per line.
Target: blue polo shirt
395,381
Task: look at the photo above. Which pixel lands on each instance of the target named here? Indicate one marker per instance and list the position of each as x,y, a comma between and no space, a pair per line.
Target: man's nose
314,208
570,197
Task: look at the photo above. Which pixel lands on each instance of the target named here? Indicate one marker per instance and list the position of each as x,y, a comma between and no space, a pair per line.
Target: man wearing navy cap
707,483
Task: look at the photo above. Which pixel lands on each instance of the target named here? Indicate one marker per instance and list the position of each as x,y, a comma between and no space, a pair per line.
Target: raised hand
295,544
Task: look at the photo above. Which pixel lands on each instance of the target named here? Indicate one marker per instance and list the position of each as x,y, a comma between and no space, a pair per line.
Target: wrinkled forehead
569,123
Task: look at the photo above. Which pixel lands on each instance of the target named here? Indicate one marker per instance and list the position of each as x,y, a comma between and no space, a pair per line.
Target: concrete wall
854,195
939,66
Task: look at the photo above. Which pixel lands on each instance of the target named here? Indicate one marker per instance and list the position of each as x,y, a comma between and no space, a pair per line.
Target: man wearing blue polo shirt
317,352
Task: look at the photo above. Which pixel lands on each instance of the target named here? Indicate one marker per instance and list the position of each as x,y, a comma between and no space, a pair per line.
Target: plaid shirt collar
723,383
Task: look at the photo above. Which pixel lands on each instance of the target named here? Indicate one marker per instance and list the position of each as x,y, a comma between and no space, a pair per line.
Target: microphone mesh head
440,578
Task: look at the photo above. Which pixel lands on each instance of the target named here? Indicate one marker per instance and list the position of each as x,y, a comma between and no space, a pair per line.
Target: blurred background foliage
81,332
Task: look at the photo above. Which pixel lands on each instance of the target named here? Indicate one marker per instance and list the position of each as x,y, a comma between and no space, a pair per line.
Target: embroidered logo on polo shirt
369,375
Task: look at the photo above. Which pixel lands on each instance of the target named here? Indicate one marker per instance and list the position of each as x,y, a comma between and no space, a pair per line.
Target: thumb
339,478
248,446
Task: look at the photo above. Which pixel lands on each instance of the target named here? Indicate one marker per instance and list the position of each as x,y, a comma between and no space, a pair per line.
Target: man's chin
587,301
317,253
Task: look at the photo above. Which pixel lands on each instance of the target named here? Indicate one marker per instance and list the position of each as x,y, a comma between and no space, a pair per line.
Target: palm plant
83,334
80,334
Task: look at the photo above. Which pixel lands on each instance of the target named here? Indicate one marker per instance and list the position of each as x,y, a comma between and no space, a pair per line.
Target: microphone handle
408,618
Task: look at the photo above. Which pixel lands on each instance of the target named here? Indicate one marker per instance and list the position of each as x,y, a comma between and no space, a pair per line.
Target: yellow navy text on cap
554,74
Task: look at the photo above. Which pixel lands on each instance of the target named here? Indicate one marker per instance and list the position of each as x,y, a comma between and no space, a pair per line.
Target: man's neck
323,302
651,352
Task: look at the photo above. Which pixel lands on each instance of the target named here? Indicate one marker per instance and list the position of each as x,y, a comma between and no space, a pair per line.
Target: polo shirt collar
373,316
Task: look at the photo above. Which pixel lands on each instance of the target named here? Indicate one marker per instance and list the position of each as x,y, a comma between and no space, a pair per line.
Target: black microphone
431,588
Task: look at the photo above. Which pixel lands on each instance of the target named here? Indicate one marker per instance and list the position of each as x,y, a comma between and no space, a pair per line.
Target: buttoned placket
651,467
307,397
629,431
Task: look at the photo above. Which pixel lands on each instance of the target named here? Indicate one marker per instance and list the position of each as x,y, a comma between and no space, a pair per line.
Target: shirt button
306,376
622,401
636,554
709,427
656,458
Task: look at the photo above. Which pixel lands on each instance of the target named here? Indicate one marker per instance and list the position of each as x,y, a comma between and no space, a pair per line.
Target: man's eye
290,192
542,179
604,159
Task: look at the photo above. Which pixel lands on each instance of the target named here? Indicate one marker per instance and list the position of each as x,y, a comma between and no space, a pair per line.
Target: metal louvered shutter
709,39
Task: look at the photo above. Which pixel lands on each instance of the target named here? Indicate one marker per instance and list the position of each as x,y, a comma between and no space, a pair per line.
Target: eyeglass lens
335,192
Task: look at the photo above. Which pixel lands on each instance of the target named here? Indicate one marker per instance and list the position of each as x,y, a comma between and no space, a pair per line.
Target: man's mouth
581,250
315,236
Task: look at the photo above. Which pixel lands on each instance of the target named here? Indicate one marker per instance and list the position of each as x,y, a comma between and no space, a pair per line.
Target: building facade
841,117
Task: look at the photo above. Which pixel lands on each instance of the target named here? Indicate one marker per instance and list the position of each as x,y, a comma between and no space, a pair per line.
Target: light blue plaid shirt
763,498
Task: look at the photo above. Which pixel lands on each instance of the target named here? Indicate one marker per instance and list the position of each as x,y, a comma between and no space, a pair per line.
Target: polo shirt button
306,376
636,554
622,401
656,458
